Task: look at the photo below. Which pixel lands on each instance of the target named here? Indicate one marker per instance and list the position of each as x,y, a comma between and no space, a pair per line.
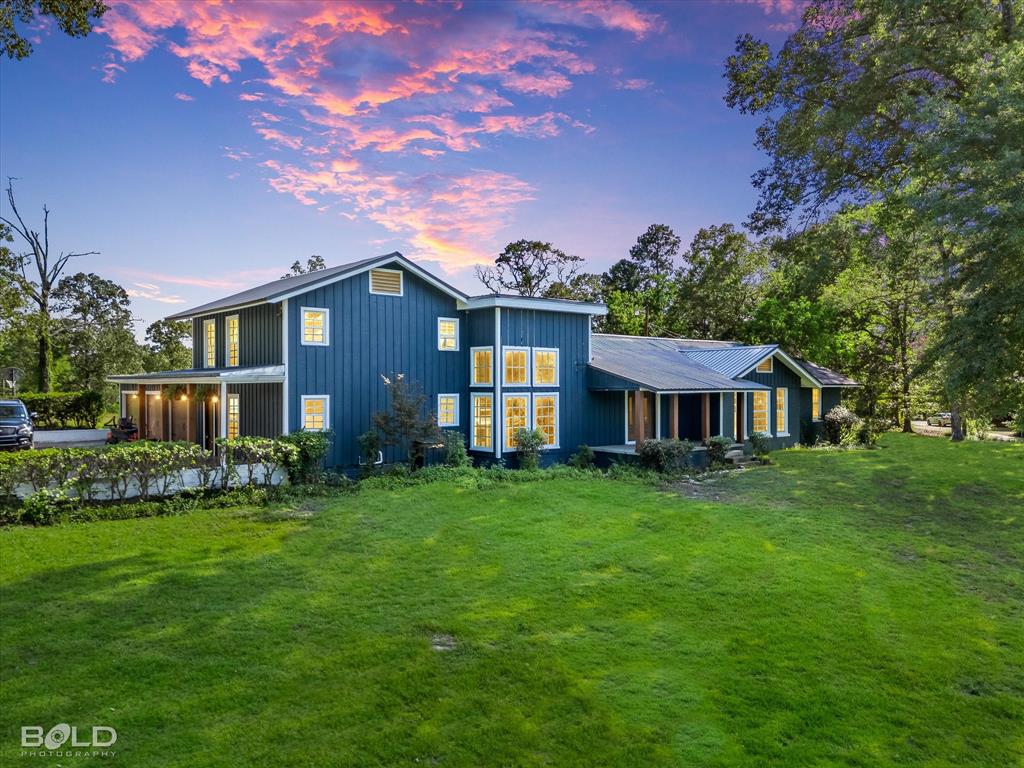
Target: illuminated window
545,367
517,416
517,366
448,334
482,366
545,418
315,416
760,423
314,327
209,343
483,422
816,404
233,420
765,366
387,282
447,410
231,331
781,395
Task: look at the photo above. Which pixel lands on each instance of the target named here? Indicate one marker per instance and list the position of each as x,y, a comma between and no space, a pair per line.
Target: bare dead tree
40,285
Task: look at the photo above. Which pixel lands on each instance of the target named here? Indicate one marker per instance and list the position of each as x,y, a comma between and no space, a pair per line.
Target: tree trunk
45,349
905,366
956,423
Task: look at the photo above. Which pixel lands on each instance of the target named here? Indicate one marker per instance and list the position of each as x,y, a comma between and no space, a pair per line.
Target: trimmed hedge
64,410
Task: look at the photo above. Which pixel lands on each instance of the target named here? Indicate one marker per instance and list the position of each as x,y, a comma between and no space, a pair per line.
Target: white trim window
209,343
482,434
759,422
234,415
448,410
517,416
316,412
315,326
816,404
482,361
545,367
781,411
765,366
387,282
515,369
231,341
545,417
448,334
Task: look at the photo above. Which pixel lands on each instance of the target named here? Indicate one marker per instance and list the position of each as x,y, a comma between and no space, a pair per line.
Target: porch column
143,408
190,413
673,416
705,416
741,408
223,405
638,419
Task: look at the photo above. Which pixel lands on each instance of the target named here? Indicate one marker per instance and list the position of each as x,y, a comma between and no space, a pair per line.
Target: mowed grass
835,609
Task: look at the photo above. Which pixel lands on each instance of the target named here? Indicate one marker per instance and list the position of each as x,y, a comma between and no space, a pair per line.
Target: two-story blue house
310,351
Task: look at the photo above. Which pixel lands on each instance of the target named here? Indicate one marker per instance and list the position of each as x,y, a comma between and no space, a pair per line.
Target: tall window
483,422
482,366
760,422
545,418
448,410
517,416
315,415
816,404
233,416
545,367
231,331
209,343
517,366
765,366
781,427
448,334
314,327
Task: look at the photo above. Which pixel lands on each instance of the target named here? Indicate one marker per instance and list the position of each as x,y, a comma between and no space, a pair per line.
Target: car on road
944,419
15,425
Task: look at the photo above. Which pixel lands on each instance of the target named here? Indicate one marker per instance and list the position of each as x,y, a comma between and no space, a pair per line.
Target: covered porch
202,405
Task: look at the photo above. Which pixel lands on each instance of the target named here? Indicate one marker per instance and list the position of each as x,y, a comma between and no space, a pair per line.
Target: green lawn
862,608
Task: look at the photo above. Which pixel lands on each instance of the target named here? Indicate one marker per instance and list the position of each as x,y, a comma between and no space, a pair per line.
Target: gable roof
732,361
658,365
286,287
828,377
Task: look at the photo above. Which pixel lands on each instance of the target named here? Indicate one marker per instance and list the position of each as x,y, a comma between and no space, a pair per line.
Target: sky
201,148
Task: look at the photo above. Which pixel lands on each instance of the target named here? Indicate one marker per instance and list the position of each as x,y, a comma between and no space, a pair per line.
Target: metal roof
658,365
731,361
259,373
827,377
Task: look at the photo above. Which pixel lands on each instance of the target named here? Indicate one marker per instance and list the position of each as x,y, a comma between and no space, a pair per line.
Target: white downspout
284,360
499,371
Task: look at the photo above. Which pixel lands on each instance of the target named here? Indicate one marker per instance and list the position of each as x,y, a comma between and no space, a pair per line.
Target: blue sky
203,148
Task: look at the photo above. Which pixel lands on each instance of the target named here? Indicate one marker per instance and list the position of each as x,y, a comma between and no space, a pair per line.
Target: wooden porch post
705,416
141,394
741,406
638,419
190,413
673,416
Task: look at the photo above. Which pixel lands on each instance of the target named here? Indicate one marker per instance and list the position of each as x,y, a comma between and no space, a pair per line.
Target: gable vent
386,281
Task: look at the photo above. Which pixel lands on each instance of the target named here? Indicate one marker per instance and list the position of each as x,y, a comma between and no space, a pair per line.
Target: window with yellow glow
545,367
448,334
517,416
314,412
517,366
447,410
233,416
760,422
482,365
231,331
780,411
210,343
545,418
765,366
483,422
314,327
816,404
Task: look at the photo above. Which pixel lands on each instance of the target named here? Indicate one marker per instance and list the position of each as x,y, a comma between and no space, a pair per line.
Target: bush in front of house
528,445
668,455
718,446
455,449
64,410
257,454
307,464
584,458
841,426
760,444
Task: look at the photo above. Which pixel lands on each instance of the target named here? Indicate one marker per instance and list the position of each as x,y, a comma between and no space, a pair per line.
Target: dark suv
15,425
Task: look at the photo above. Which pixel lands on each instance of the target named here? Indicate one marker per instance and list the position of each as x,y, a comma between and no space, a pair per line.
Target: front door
647,403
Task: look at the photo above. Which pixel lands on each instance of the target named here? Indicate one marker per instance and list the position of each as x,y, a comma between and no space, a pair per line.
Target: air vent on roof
386,281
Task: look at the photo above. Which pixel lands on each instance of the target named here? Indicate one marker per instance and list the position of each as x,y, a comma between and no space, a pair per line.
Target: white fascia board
526,302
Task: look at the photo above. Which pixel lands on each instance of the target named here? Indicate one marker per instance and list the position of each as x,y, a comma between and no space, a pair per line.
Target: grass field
835,609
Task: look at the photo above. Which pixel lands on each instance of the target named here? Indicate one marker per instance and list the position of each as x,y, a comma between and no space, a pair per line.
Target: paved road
923,428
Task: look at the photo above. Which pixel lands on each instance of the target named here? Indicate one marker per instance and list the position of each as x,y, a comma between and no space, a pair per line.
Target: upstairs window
517,366
315,412
816,404
448,410
314,327
448,334
483,366
231,331
545,367
765,366
387,282
781,395
760,420
209,344
233,416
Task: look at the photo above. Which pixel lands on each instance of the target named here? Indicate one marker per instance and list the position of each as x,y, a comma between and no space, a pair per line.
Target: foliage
63,410
165,345
313,264
760,444
305,465
718,446
74,17
369,451
261,457
528,445
642,283
664,456
530,268
455,449
839,421
408,425
584,458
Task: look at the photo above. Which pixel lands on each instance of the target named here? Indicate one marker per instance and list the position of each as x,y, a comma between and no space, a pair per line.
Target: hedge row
63,410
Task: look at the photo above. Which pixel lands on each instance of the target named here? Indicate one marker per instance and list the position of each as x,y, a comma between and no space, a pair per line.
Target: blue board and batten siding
781,376
371,336
259,336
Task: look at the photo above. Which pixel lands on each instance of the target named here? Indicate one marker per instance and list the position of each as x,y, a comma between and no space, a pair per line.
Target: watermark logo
63,740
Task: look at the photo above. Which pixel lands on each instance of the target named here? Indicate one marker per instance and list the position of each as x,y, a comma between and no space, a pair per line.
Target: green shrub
254,453
369,452
718,446
760,444
62,410
528,445
312,447
869,430
455,449
664,455
838,421
583,458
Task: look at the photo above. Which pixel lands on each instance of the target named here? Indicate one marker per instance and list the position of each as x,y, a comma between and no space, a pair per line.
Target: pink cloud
632,84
